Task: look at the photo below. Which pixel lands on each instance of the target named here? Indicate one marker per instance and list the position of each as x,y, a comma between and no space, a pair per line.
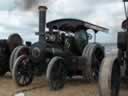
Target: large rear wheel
94,54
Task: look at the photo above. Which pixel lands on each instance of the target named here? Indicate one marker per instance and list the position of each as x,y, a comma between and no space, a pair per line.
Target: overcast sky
107,13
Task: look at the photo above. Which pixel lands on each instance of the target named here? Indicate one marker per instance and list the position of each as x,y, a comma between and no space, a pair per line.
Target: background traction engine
114,69
6,47
61,52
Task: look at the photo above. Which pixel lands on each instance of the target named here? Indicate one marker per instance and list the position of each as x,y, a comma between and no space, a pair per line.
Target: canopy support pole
95,36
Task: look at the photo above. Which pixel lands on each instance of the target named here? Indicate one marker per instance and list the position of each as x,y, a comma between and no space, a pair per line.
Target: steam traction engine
61,52
114,69
6,47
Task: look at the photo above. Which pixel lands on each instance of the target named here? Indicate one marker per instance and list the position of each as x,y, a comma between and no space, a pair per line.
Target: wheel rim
23,72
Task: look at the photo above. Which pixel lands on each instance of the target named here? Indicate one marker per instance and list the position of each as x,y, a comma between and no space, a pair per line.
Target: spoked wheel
109,79
56,73
20,50
22,71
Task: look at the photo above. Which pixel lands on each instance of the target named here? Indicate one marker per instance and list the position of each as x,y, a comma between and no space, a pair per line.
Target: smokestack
42,22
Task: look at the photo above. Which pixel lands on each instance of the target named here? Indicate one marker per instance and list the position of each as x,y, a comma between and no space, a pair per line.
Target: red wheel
22,72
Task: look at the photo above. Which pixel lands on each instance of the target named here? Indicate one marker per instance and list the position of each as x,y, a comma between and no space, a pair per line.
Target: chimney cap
42,8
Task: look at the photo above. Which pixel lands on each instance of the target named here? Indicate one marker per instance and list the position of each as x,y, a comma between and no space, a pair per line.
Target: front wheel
22,71
56,73
109,79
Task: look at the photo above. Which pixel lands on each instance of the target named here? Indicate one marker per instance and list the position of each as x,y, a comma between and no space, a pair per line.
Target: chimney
42,22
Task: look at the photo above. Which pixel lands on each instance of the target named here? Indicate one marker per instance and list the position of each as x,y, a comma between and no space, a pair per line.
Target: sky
17,17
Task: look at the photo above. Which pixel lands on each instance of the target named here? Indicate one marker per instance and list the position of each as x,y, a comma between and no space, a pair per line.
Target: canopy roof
73,25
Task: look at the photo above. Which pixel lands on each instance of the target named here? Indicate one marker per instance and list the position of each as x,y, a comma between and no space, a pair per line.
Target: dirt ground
39,87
